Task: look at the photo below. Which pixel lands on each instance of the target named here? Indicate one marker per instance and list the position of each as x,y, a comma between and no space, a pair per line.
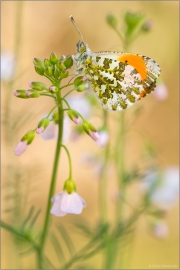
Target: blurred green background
44,28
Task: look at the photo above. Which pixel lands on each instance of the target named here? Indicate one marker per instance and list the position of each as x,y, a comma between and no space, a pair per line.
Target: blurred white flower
103,138
21,148
65,203
161,91
80,104
51,132
163,187
7,65
95,163
160,229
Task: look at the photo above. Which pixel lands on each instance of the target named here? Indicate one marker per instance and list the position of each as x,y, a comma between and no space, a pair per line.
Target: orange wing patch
135,61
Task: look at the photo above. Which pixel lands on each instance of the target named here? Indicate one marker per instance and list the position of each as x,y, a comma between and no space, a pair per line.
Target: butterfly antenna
73,21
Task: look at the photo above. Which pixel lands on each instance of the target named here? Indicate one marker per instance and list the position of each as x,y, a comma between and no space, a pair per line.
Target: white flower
163,188
65,203
21,148
7,65
160,92
51,132
103,138
80,104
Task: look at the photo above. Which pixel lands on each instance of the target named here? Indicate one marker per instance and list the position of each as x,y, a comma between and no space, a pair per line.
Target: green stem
64,86
74,89
48,95
70,162
52,111
53,181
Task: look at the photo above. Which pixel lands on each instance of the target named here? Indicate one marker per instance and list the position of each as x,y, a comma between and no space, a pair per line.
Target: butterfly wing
120,79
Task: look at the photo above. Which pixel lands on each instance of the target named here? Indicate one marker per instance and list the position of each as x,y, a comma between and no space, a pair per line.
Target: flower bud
20,93
55,117
42,125
147,26
37,85
68,62
90,130
79,80
29,136
32,93
56,72
111,20
74,116
70,186
53,58
64,74
47,62
48,71
53,88
82,87
20,148
39,66
60,66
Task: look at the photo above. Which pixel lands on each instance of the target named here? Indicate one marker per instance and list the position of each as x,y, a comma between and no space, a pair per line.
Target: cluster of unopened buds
56,70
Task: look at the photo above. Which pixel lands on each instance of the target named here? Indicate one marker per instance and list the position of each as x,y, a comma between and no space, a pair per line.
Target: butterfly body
118,79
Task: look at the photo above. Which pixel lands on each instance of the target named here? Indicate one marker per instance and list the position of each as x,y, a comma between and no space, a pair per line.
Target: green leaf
34,219
57,247
30,213
84,228
67,239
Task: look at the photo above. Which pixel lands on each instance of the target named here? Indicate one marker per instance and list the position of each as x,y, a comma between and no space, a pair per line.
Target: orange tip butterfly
118,79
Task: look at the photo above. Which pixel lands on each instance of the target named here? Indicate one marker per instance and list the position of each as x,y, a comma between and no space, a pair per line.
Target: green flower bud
39,70
56,72
68,62
111,20
70,186
53,58
74,116
20,94
29,136
48,71
39,66
44,123
47,62
87,126
60,66
32,93
78,81
37,85
64,74
82,87
132,21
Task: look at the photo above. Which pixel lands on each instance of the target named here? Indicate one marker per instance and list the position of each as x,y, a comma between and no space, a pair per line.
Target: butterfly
118,79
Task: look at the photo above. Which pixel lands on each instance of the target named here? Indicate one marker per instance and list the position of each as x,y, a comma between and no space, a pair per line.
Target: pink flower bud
39,130
76,120
84,79
28,93
15,93
30,84
20,148
94,135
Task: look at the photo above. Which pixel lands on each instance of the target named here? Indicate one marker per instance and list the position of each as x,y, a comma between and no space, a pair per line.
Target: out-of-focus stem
103,180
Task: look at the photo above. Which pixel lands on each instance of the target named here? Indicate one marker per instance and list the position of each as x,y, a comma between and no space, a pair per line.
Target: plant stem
70,162
103,180
53,181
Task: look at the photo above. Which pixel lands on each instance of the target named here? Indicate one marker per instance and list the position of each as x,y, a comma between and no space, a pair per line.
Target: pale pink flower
7,65
103,138
65,203
94,135
75,120
80,104
160,229
39,130
21,148
51,132
163,187
161,91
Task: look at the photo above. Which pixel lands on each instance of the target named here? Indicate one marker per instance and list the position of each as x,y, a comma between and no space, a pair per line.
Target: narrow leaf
67,239
57,248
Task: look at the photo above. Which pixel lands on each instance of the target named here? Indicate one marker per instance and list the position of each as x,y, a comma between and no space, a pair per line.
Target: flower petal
71,203
56,208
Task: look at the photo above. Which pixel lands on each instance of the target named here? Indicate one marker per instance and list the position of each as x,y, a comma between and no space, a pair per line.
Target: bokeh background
44,28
